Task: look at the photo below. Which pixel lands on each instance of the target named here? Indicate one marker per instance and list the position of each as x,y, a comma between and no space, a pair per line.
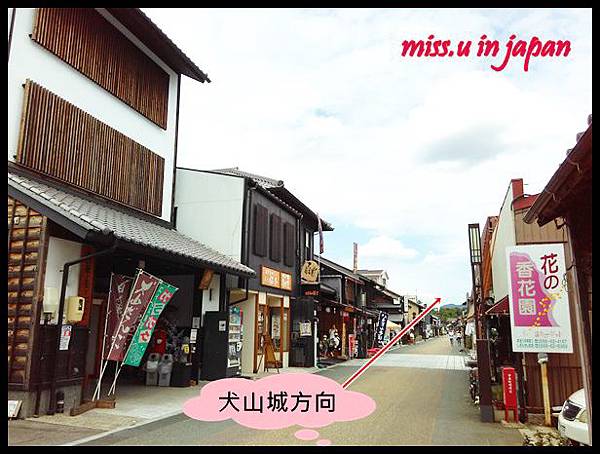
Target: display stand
268,352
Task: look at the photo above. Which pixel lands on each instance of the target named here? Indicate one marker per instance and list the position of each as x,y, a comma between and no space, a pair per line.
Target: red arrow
387,346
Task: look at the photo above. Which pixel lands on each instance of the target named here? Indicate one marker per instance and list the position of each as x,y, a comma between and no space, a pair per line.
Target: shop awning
368,313
327,289
391,325
500,308
565,185
81,215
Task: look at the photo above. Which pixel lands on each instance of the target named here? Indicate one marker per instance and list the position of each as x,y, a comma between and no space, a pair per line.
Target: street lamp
486,411
475,244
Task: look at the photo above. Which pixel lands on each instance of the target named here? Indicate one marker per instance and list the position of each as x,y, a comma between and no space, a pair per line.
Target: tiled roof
265,182
278,189
339,268
123,224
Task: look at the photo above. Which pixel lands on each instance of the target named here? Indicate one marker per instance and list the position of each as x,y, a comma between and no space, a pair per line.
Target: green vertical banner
143,333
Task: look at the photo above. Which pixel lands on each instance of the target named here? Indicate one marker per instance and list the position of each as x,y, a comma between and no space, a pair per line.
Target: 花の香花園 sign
538,299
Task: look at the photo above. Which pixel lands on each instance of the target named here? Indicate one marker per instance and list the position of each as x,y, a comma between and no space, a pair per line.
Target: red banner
117,298
143,289
321,243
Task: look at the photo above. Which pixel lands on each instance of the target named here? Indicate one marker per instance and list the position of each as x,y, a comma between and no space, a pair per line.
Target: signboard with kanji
380,330
286,281
270,277
142,290
538,299
144,330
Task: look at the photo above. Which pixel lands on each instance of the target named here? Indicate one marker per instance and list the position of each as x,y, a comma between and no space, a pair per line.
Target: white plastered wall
210,296
504,235
209,209
59,252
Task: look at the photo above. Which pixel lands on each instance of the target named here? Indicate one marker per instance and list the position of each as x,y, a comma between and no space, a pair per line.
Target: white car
572,420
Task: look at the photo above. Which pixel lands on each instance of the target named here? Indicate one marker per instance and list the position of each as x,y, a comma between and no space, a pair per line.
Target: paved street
422,398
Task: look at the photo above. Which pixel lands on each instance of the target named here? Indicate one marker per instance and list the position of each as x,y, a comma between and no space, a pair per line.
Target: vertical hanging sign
143,288
381,324
321,242
117,298
144,330
538,299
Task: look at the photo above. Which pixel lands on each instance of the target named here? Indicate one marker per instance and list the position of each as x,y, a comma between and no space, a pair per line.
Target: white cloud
383,246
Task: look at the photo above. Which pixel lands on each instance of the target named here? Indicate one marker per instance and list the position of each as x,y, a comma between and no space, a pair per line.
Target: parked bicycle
474,385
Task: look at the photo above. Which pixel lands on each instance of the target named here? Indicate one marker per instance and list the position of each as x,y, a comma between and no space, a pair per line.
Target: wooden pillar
546,394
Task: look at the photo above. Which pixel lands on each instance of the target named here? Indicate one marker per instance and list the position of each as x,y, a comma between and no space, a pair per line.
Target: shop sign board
286,281
538,299
145,328
310,290
13,408
310,271
381,325
207,276
305,329
270,277
143,289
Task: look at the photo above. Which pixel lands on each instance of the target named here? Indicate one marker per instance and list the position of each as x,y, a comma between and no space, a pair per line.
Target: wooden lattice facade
64,142
84,39
27,249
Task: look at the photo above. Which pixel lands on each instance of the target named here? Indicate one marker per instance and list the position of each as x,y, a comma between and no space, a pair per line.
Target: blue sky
400,154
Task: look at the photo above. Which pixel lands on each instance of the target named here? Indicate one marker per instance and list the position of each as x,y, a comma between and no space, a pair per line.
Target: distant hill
451,311
453,306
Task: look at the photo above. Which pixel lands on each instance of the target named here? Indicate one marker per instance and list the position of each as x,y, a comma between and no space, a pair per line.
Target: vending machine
222,350
234,351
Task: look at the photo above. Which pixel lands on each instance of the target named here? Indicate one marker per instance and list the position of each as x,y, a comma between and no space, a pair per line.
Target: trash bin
165,367
181,375
152,369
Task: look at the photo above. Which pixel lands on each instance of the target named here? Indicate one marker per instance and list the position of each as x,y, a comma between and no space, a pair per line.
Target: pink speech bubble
324,400
307,434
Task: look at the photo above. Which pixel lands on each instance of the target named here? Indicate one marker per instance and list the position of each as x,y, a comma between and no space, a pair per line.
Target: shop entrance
175,333
272,319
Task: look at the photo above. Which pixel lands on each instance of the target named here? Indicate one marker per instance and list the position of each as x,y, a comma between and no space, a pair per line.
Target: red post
509,388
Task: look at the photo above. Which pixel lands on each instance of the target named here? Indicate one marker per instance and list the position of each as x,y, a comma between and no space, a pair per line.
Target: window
307,245
289,244
84,39
260,230
275,238
89,154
